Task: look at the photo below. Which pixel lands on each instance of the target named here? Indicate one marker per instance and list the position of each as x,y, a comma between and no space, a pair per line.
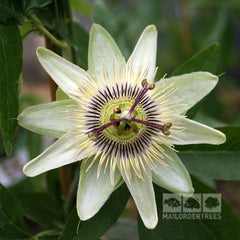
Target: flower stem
42,29
53,86
185,30
70,31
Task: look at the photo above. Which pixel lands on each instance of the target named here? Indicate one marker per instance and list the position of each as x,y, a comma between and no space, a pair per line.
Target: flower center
122,123
123,114
114,123
125,126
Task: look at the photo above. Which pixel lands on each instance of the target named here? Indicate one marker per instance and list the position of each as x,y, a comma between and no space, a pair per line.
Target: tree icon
211,202
192,203
172,202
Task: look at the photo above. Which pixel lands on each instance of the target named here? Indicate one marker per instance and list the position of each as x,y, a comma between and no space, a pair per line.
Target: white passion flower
121,124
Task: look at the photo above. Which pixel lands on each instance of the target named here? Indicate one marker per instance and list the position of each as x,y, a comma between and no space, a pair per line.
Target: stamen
163,127
93,136
146,86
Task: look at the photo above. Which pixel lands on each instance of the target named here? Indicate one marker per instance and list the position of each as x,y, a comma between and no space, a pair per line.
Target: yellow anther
146,84
93,136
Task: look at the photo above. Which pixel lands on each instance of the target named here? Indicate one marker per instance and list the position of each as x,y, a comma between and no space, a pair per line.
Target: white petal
194,133
189,89
174,177
144,54
103,53
69,77
144,197
48,118
92,192
60,153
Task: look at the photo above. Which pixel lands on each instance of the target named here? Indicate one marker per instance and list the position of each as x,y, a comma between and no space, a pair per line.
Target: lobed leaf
11,66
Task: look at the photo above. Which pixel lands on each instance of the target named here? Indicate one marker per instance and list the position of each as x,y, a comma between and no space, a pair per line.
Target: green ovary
126,130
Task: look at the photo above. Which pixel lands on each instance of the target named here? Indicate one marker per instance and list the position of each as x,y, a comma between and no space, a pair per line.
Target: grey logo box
212,202
172,203
199,202
192,204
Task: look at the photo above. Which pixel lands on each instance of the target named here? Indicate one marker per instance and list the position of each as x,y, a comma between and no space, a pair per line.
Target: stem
46,233
71,31
42,29
185,28
53,86
65,179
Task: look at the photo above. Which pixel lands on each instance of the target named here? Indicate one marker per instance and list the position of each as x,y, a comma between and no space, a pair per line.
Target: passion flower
121,124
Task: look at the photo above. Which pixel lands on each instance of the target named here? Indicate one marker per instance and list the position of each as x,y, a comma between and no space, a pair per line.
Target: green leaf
208,120
81,38
9,12
61,95
95,227
11,66
48,235
25,29
71,227
219,165
12,225
82,6
223,229
205,60
31,6
54,185
42,208
34,144
78,40
123,229
214,161
217,28
31,184
104,17
16,12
